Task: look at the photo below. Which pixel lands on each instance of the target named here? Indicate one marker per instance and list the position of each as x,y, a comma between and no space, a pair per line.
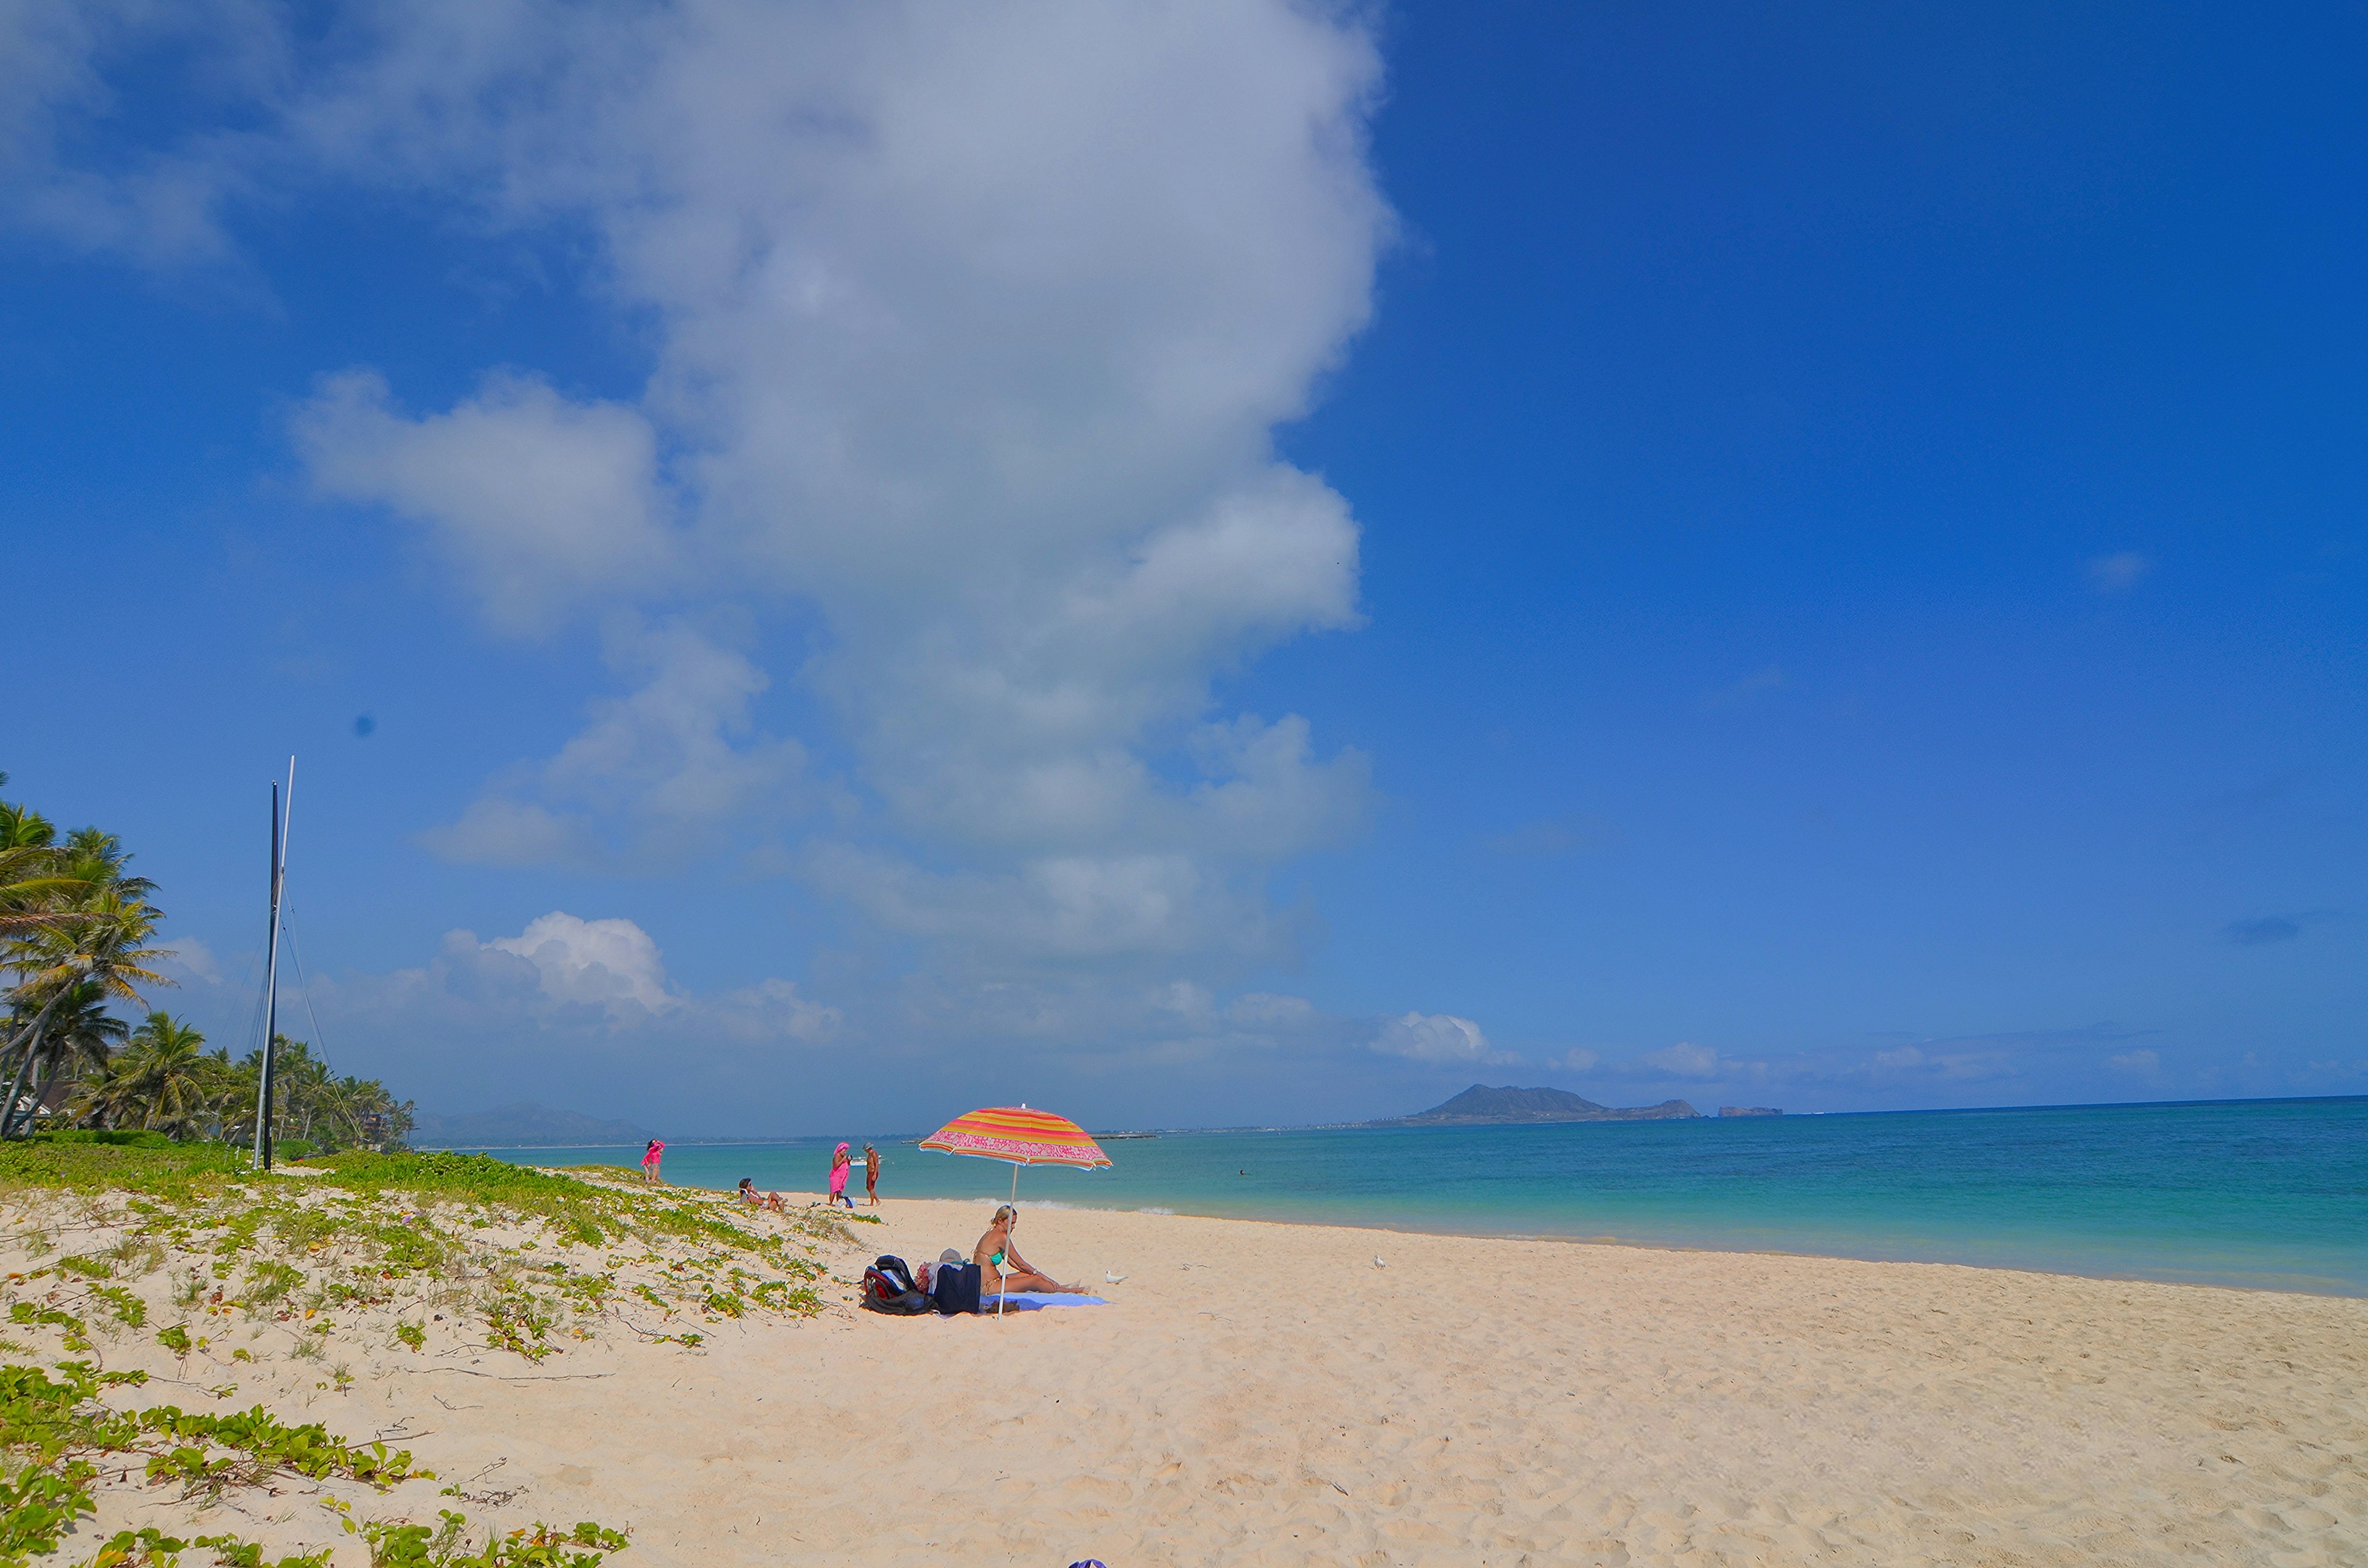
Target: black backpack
957,1288
888,1288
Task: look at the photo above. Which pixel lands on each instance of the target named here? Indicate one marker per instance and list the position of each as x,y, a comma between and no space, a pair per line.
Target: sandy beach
1261,1393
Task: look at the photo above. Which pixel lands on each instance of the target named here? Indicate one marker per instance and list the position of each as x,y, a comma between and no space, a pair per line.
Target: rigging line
302,986
253,1035
252,983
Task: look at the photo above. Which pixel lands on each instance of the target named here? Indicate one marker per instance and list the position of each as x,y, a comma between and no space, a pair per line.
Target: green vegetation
58,1432
415,1546
151,1548
473,1238
75,929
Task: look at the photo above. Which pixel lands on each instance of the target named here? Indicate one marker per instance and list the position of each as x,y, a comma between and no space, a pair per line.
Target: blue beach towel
1037,1301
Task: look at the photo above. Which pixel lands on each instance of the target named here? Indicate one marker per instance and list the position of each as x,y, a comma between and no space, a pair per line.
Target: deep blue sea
2264,1193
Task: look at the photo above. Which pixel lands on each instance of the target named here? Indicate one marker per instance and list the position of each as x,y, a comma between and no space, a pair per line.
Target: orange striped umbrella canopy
1022,1136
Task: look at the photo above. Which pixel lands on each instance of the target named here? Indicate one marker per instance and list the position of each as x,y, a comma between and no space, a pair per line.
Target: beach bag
957,1288
888,1288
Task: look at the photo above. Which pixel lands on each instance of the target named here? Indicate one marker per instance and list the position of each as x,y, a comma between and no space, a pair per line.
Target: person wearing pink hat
839,1162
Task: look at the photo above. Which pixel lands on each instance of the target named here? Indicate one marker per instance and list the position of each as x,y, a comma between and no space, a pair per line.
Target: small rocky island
1748,1110
1480,1105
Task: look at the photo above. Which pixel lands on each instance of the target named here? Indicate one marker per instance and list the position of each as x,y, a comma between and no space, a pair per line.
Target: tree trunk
30,1039
16,1088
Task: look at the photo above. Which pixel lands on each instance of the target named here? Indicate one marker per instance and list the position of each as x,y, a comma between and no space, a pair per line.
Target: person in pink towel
650,1157
839,1162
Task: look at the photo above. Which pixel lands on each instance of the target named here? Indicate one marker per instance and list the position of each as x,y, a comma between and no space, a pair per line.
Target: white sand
1262,1393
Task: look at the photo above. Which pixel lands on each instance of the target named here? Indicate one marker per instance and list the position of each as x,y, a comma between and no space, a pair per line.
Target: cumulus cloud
567,975
542,504
968,331
611,964
2138,1064
156,205
659,772
972,329
1435,1037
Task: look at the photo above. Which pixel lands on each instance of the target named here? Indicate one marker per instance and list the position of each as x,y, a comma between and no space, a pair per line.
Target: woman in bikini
1000,1267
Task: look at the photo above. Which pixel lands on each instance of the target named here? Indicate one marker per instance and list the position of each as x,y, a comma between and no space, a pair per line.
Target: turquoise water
2263,1193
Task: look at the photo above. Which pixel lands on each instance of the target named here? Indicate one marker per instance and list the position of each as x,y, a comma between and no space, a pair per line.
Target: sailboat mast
271,968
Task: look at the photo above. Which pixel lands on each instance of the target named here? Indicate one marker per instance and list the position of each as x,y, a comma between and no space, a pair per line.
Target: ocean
2268,1194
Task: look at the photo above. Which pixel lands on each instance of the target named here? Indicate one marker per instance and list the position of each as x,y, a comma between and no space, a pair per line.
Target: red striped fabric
1022,1136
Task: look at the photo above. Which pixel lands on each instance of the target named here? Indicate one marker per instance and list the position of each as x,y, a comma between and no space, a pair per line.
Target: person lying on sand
1000,1267
755,1200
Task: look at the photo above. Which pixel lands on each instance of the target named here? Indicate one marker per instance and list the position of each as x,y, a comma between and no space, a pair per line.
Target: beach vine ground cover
447,1257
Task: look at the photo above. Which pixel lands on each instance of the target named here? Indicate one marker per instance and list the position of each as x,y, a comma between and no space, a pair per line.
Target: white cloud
193,958
972,329
666,768
610,964
1440,1037
1075,907
968,330
2138,1064
542,503
154,205
566,977
1684,1058
1579,1058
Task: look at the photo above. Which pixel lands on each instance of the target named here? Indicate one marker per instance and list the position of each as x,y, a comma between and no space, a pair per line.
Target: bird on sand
1378,1264
1113,1278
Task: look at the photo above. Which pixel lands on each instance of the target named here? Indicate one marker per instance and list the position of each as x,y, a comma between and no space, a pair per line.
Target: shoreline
2330,1290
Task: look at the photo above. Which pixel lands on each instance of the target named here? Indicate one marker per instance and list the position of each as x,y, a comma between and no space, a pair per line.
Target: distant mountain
522,1126
1481,1106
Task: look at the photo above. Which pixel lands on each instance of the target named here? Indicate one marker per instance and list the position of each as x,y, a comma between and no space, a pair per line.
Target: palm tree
105,945
98,859
32,879
157,1082
81,1037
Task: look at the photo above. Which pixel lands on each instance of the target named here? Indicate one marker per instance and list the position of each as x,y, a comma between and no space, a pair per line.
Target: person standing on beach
650,1157
871,1175
839,1165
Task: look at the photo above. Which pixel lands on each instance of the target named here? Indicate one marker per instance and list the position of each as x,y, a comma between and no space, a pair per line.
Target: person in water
871,1175
650,1157
1000,1267
755,1200
839,1165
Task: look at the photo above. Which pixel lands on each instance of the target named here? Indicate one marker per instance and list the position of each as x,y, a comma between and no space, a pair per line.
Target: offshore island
1481,1106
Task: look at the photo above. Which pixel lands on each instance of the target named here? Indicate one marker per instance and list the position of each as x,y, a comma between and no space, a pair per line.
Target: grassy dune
183,1340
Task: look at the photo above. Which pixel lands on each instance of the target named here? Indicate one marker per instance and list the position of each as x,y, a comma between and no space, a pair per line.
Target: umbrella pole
1015,1204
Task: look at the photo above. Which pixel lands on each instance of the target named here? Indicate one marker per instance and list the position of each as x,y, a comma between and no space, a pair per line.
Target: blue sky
1209,565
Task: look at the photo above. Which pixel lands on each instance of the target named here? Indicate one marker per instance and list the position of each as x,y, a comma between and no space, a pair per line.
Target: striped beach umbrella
1020,1136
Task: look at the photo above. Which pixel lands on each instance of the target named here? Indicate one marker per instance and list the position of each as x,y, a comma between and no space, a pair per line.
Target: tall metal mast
271,968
